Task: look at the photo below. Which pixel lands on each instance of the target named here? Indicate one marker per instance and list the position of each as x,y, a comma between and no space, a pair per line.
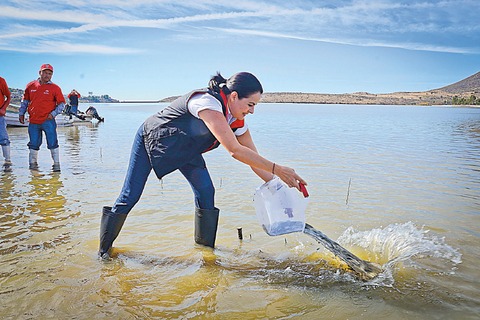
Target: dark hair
244,83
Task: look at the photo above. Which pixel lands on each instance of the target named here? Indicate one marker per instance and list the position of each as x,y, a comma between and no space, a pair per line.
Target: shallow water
399,186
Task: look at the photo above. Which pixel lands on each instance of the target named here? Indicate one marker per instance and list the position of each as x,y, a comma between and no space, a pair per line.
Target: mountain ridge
468,85
446,95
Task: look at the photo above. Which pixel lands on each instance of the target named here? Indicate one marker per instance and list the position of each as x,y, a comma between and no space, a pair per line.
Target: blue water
398,186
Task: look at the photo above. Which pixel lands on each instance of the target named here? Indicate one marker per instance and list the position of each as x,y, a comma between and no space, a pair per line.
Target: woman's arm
247,141
215,121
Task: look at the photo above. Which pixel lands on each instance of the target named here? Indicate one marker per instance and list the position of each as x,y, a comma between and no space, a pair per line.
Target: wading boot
110,227
206,221
7,165
32,159
56,159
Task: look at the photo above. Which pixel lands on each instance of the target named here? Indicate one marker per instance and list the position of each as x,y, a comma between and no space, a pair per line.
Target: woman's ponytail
244,83
218,83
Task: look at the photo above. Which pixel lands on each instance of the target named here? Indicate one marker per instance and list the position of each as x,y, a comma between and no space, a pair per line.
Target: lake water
398,186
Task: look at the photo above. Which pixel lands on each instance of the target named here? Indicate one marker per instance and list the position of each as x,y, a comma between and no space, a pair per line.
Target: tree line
472,100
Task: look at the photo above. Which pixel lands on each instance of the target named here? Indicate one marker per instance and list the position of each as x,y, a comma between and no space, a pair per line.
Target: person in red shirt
4,140
74,96
43,100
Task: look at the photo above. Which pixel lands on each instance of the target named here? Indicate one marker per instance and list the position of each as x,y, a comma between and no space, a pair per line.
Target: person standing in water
5,98
73,98
175,139
43,100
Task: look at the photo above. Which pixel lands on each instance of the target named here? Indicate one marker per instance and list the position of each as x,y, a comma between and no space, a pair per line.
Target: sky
152,49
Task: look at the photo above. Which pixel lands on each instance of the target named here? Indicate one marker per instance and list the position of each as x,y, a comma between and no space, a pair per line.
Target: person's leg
97,116
202,185
35,136
74,111
67,109
114,217
206,215
35,141
5,143
55,153
50,129
6,154
139,169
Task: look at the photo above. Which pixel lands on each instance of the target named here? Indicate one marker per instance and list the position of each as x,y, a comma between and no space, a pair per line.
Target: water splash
364,269
401,246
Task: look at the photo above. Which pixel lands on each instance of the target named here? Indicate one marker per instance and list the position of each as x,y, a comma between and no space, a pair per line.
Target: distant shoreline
140,101
426,98
436,97
462,93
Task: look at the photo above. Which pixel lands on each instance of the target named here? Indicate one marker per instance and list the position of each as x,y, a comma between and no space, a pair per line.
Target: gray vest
174,137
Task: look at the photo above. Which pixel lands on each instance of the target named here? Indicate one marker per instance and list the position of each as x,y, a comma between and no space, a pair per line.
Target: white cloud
34,14
361,23
64,47
43,32
353,42
68,48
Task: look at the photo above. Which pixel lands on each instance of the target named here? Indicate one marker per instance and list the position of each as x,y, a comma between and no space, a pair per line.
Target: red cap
46,66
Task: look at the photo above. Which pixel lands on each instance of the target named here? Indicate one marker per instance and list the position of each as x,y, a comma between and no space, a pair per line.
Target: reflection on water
412,207
41,210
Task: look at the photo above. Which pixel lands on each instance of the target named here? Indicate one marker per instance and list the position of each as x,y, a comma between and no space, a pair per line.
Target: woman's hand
289,176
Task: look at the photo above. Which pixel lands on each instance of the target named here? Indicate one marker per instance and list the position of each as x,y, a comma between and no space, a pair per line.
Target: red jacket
43,100
4,92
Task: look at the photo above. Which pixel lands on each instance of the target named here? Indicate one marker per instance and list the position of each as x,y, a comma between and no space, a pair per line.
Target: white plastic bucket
280,209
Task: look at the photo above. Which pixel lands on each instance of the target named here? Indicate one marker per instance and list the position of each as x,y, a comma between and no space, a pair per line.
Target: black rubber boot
206,221
110,227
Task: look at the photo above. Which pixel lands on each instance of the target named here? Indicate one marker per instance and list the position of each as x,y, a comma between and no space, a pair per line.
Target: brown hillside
467,85
442,96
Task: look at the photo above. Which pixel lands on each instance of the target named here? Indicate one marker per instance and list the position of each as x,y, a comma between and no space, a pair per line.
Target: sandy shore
434,97
426,98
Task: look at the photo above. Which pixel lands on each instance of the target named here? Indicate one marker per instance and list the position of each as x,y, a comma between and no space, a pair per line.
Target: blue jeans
73,109
139,169
4,141
36,136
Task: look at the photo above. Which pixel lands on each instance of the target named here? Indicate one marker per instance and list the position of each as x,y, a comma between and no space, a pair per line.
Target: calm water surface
399,186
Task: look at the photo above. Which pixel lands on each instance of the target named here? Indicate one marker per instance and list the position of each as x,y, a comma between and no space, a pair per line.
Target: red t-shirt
43,99
4,92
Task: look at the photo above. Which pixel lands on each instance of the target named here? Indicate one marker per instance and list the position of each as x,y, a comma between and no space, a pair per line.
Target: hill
470,85
460,92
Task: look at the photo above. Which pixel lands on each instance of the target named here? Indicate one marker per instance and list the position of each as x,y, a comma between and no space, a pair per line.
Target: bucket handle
303,189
